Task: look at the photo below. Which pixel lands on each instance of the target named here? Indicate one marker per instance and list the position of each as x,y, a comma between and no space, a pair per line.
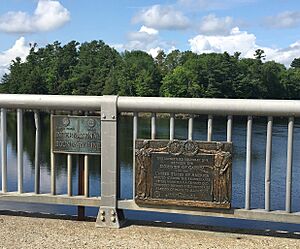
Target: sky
202,26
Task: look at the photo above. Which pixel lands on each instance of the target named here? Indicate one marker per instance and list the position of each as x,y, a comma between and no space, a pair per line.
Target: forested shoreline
94,68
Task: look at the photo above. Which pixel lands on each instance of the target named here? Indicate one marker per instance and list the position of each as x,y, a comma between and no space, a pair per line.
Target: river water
278,170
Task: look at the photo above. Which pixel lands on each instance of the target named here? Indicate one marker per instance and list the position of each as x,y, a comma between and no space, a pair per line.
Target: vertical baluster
80,209
86,172
37,153
190,127
288,199
153,125
135,127
86,175
53,174
172,126
4,149
69,165
209,128
248,163
268,163
229,128
20,149
52,166
69,172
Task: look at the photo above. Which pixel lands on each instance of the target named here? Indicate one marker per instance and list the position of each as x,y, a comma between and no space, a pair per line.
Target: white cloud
154,51
286,55
145,35
149,31
19,49
236,41
146,39
48,15
213,25
286,19
243,42
162,17
172,48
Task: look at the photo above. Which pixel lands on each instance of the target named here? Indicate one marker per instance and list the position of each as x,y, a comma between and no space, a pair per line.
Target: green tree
248,83
4,83
237,55
271,76
259,54
44,71
56,63
172,61
291,83
94,68
221,71
180,83
160,62
139,75
296,63
96,60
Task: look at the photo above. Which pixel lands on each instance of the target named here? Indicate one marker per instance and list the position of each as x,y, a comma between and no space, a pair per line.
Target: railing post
108,215
248,164
209,128
20,149
190,127
135,134
3,136
37,171
288,195
172,126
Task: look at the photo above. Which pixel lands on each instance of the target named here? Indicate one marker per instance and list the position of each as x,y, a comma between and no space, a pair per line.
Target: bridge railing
110,107
230,108
51,104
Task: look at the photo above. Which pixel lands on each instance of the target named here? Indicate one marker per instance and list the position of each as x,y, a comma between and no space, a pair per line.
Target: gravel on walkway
30,232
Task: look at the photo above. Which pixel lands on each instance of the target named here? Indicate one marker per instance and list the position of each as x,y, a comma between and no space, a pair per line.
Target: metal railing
111,107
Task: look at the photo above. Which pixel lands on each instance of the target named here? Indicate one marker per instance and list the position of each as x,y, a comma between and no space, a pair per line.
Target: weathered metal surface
3,139
253,214
51,199
213,106
183,173
37,170
109,215
76,134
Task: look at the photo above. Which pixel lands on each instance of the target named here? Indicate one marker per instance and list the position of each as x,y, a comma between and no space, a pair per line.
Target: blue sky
202,26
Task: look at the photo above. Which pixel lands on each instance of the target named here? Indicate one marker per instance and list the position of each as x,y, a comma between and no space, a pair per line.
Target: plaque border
71,152
223,157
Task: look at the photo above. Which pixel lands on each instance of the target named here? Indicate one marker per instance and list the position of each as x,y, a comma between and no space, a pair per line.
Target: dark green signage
76,134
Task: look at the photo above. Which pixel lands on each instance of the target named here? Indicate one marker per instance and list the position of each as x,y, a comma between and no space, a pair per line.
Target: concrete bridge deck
36,232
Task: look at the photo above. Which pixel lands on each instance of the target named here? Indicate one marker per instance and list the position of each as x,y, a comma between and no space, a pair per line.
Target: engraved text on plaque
183,173
76,134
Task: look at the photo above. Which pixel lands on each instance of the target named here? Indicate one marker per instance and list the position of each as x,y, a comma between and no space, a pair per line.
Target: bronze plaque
183,173
76,134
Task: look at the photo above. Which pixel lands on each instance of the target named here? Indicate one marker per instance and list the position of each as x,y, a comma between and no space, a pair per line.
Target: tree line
94,68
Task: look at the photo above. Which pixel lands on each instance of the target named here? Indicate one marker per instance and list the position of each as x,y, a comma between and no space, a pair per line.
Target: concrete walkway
29,232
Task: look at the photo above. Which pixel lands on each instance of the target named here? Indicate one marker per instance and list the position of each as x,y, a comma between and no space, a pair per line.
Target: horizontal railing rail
254,107
52,102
